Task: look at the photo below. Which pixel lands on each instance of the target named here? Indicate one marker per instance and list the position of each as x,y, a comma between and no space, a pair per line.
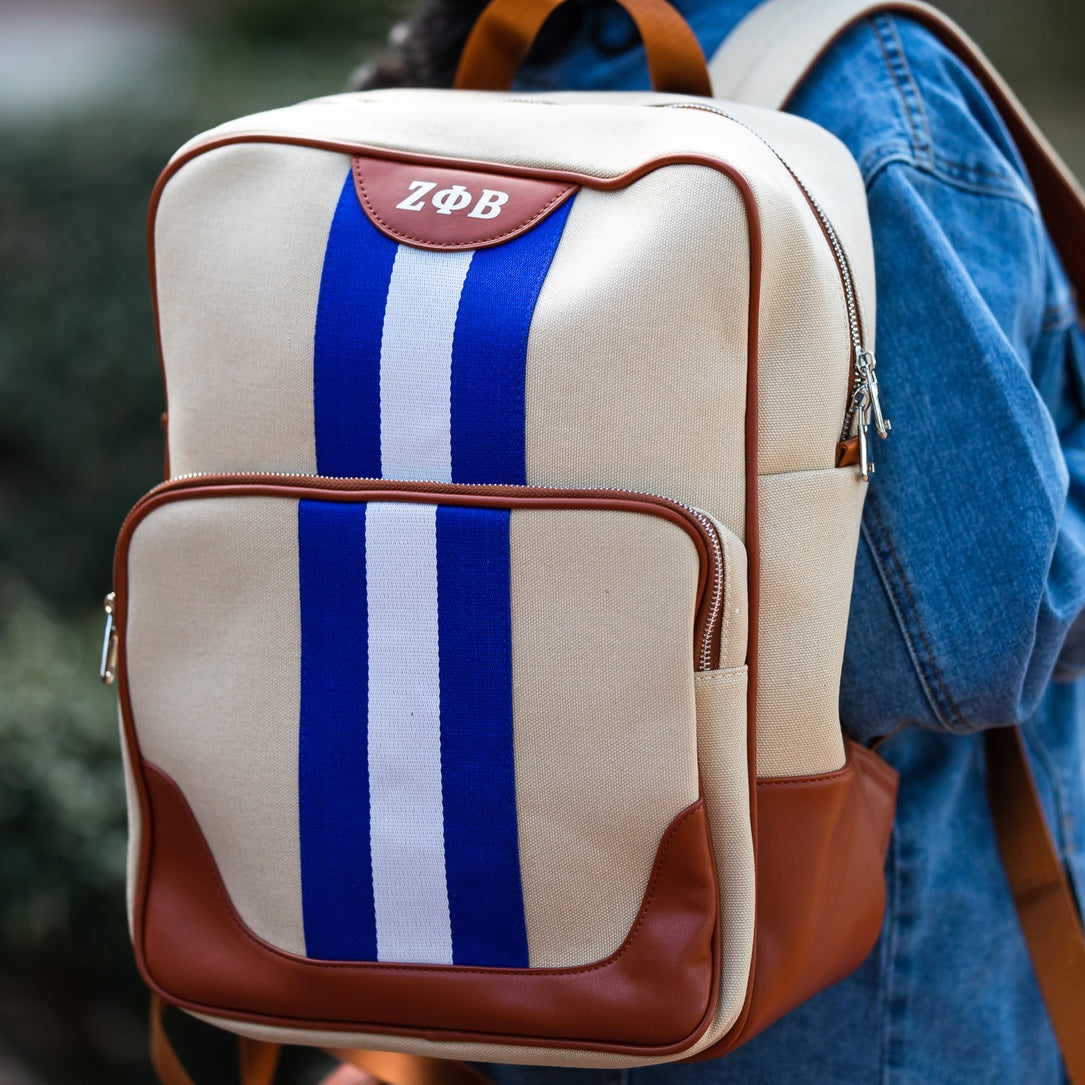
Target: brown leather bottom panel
656,993
821,845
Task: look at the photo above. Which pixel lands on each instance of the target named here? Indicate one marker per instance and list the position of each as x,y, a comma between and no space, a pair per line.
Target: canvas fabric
601,428
604,349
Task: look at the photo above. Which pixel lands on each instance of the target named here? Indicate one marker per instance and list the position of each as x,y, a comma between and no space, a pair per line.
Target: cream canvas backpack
478,661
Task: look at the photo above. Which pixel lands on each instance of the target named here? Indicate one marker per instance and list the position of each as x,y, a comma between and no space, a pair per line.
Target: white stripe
416,363
406,809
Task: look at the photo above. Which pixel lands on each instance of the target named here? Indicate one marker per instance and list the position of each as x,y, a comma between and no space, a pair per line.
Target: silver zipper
864,359
707,524
107,669
715,605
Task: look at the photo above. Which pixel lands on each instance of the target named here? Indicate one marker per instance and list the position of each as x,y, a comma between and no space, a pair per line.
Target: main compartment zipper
864,404
701,528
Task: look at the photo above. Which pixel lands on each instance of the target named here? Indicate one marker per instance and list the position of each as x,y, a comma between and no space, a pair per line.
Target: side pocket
722,742
821,846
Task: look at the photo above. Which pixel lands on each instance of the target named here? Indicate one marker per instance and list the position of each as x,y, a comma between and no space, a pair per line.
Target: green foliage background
80,440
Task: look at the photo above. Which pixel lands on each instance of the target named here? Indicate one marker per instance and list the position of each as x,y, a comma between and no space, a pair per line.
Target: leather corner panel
655,995
822,842
437,207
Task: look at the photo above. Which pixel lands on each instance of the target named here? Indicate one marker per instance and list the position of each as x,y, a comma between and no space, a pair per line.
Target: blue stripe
482,855
489,354
347,342
333,772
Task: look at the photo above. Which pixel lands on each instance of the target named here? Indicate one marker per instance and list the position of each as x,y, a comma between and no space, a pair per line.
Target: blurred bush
80,440
68,998
80,437
317,21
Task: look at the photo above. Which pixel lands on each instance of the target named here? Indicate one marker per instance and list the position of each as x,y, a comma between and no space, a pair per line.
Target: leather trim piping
752,532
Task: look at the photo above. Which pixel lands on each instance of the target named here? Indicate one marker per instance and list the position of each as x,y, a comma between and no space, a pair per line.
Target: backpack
478,660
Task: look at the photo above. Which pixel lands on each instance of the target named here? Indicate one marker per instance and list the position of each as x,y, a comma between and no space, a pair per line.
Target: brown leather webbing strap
167,1066
348,1075
1041,893
259,1061
504,32
398,1069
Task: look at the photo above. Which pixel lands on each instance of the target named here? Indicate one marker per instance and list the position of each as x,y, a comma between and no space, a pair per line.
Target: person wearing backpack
970,577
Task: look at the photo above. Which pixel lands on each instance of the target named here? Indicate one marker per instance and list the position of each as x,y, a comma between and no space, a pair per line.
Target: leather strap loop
259,1061
1041,893
506,29
350,1075
394,1068
167,1066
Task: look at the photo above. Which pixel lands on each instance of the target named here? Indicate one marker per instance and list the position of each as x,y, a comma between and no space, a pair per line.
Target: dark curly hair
428,45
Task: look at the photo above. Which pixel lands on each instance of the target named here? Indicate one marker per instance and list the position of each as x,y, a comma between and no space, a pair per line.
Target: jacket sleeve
970,575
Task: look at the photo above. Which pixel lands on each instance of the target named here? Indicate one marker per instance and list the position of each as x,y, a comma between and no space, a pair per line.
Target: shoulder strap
762,63
1041,893
771,51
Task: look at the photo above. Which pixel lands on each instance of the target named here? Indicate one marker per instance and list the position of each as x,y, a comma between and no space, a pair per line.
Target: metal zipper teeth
854,327
708,527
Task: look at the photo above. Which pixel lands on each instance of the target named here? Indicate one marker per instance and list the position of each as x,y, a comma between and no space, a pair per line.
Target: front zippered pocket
709,537
422,726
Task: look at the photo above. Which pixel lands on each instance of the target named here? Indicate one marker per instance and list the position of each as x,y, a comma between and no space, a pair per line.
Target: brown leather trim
384,186
655,994
258,1061
168,1068
752,533
304,487
820,882
504,32
839,258
1042,894
499,169
847,453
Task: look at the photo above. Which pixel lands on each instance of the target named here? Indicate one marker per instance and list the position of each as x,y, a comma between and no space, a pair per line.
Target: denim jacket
971,567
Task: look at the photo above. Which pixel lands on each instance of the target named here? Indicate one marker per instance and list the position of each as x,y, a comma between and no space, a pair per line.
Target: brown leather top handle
506,29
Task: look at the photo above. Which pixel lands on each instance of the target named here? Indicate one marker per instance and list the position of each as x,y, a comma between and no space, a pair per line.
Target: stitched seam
880,160
921,661
810,781
922,153
897,65
883,155
207,861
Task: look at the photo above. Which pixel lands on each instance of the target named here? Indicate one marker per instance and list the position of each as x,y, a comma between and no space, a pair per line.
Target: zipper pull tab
866,363
860,403
107,671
